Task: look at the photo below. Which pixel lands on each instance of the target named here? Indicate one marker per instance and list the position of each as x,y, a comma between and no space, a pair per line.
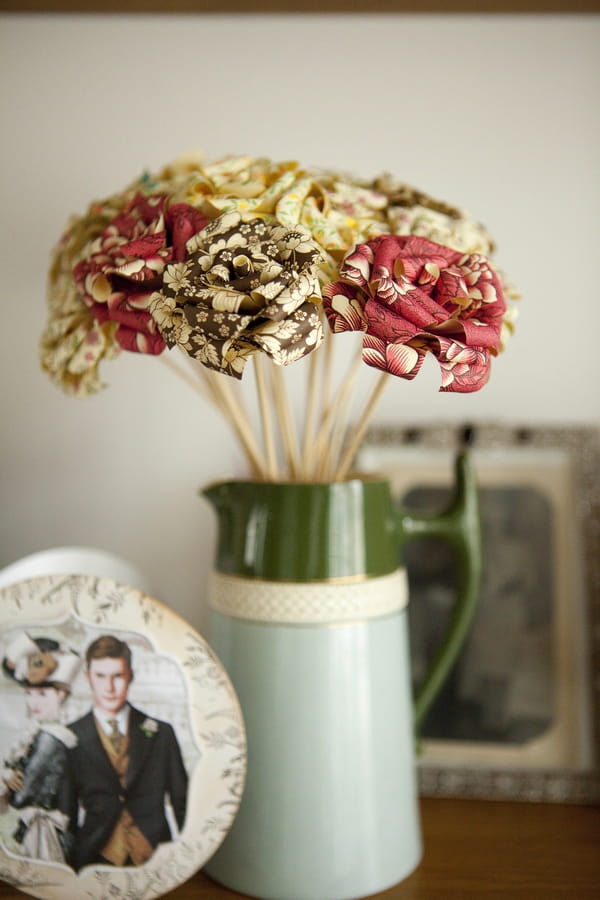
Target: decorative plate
130,801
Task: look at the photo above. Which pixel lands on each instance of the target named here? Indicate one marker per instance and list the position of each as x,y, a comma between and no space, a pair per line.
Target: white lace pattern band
308,603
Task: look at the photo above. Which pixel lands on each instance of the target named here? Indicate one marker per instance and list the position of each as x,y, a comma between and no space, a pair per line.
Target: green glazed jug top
301,531
307,531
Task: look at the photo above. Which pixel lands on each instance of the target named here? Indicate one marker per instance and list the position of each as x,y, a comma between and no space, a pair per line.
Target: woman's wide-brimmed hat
40,662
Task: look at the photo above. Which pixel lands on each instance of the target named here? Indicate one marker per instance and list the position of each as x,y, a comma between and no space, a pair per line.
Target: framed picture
122,744
519,716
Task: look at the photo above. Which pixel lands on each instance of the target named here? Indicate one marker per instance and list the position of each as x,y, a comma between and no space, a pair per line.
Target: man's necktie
115,736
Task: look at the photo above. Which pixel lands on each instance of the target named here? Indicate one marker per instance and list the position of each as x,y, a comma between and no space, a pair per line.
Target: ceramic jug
308,615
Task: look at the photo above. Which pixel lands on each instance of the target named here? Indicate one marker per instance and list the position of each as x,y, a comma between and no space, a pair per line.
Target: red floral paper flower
411,296
122,267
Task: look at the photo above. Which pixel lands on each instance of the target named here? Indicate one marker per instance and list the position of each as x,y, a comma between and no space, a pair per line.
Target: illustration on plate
101,788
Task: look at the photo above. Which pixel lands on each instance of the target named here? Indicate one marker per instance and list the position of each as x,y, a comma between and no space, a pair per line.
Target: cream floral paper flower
74,343
337,210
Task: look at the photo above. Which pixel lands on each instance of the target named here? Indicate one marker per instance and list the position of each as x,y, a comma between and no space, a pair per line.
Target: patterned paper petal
391,328
238,183
397,359
301,332
72,347
464,369
358,266
344,307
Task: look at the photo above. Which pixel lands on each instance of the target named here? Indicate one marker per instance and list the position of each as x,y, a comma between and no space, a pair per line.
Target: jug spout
218,494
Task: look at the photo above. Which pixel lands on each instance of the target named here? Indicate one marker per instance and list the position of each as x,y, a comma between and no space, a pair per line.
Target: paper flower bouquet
249,259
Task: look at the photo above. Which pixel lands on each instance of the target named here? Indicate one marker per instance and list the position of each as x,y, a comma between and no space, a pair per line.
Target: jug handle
460,525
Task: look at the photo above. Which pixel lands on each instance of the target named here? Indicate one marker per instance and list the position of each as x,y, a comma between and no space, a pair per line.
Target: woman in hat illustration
34,768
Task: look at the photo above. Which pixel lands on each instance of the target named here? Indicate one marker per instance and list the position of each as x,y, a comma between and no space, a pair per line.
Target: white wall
497,114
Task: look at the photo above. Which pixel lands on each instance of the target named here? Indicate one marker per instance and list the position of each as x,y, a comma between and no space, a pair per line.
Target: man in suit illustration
123,767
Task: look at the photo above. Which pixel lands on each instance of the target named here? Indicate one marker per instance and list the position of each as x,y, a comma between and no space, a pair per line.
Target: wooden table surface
476,849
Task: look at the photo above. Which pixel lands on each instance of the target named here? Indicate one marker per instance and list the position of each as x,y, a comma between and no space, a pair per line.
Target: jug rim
351,479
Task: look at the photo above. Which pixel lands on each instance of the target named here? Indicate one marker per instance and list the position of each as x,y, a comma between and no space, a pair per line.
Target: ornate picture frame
122,742
520,718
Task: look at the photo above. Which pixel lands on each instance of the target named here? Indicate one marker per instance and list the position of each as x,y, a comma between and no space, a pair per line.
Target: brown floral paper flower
412,296
245,285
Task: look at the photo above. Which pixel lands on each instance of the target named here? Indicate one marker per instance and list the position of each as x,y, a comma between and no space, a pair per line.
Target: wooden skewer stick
265,414
207,381
335,445
237,418
332,413
190,380
312,397
327,370
288,431
361,426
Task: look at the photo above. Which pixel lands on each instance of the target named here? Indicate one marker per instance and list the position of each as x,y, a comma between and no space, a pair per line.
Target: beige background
496,113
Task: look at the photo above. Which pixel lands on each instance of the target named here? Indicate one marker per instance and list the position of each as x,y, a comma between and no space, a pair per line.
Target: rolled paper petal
344,307
136,330
72,347
358,266
183,222
397,359
137,342
464,369
381,323
290,340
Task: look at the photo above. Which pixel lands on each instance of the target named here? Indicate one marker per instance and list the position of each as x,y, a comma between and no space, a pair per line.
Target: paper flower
121,268
73,344
410,211
245,285
411,296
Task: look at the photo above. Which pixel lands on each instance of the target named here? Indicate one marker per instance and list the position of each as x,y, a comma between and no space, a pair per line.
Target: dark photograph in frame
519,716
